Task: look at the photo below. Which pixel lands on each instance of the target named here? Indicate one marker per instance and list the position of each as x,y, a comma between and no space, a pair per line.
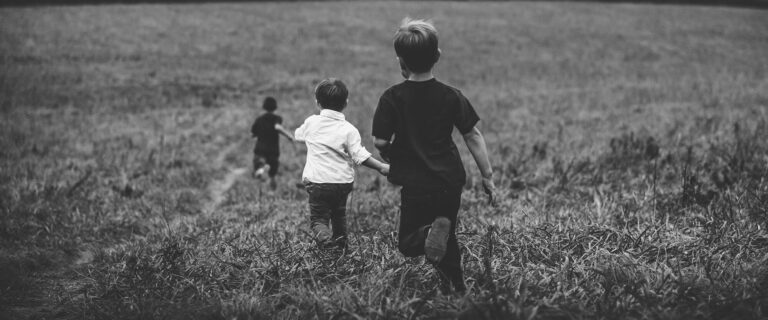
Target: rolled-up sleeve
300,133
355,148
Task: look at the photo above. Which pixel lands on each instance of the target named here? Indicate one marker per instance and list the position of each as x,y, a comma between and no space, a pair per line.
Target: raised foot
437,240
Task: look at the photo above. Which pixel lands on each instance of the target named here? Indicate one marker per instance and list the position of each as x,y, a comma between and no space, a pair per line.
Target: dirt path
217,189
40,303
217,192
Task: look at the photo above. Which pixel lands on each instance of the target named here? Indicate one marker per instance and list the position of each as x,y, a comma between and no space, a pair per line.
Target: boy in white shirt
333,147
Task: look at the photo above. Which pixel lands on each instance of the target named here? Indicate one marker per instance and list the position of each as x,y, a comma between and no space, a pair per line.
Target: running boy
267,129
333,146
412,128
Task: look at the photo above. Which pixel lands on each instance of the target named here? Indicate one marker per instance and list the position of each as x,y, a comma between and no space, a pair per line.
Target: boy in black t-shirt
412,128
267,129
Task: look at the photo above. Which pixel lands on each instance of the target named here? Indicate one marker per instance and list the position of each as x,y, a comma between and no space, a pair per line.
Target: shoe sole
322,233
437,240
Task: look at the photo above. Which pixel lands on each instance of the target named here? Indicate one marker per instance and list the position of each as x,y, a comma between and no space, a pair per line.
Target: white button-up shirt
333,146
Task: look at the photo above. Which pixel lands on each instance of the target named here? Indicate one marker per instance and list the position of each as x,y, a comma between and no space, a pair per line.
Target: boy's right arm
254,129
383,146
383,128
477,147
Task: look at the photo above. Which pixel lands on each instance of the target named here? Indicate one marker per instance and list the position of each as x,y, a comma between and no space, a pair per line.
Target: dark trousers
328,203
271,159
418,210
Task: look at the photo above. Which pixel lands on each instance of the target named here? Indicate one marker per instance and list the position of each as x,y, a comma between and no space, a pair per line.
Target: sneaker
259,174
437,240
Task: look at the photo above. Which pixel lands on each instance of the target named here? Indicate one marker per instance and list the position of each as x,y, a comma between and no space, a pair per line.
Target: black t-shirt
421,116
264,129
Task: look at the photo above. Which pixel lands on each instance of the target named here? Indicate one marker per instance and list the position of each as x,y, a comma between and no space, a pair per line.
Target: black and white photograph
379,159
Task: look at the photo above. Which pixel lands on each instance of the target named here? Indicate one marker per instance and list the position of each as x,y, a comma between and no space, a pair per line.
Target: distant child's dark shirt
264,129
422,115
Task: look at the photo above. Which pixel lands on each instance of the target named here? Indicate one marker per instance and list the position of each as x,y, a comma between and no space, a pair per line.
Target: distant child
412,128
267,129
333,147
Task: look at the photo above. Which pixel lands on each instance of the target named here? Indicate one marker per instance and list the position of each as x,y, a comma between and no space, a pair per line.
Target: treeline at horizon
724,3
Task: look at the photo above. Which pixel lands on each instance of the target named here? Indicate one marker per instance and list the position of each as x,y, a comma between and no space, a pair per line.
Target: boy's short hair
270,104
416,44
332,94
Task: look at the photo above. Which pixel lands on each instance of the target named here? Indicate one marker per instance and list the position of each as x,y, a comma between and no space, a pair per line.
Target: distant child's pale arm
284,131
477,147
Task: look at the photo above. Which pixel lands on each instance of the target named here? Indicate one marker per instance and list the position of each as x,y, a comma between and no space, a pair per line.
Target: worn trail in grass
62,277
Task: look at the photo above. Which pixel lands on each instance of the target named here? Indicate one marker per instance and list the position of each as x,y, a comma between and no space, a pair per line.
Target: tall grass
629,141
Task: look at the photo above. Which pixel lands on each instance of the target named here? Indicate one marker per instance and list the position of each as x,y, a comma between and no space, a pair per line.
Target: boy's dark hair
416,45
332,94
270,104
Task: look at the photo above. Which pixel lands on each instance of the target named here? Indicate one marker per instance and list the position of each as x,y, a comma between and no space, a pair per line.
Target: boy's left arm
383,127
361,156
377,165
477,147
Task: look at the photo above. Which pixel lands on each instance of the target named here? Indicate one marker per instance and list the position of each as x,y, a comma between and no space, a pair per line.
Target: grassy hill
720,3
629,143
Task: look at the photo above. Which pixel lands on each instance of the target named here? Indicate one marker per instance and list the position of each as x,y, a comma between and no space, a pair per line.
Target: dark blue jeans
418,209
328,203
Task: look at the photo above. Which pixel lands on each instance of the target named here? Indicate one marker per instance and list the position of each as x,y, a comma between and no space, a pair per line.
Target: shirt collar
332,114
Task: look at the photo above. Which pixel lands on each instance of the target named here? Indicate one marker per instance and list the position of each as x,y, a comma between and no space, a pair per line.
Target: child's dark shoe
437,240
451,279
341,243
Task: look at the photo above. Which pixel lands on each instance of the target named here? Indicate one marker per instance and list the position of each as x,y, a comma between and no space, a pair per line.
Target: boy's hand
490,189
384,170
384,156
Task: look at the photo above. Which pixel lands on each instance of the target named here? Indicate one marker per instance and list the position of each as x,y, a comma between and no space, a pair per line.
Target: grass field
630,144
